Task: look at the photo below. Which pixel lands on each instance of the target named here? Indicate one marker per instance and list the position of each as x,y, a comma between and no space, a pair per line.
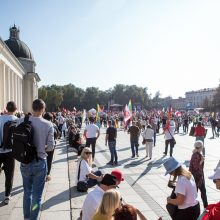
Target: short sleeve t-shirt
91,129
188,189
112,133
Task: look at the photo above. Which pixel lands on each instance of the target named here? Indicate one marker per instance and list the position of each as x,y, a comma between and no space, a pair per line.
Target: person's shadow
158,163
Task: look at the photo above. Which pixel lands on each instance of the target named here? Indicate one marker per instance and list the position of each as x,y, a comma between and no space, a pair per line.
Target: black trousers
191,213
8,163
203,194
91,141
167,142
49,161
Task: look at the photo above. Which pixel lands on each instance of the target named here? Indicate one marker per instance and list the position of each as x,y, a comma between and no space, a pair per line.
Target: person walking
200,134
110,138
35,172
196,168
134,132
91,133
7,162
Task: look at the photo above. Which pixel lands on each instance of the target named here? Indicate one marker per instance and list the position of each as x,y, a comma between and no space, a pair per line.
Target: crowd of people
104,201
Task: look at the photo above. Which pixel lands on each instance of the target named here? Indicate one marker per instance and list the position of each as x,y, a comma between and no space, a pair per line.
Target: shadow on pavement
156,164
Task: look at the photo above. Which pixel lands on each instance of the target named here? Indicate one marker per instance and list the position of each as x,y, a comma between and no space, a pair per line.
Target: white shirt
188,189
91,203
171,131
148,133
85,169
92,130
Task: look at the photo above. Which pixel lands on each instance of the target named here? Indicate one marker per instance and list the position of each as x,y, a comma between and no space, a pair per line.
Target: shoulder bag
82,186
173,139
172,209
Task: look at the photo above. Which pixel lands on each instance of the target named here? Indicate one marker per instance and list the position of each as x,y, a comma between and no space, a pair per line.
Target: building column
15,88
1,86
11,85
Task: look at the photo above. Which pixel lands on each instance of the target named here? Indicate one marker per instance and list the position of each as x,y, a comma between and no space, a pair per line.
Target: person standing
196,168
169,133
91,133
134,132
110,138
148,135
34,173
6,158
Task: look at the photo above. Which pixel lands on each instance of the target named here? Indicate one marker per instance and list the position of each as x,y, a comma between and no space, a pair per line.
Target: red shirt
199,131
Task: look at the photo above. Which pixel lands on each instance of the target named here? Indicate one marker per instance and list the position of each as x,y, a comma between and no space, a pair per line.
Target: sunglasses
88,152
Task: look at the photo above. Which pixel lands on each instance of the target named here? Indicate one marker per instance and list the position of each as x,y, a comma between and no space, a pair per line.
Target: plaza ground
145,185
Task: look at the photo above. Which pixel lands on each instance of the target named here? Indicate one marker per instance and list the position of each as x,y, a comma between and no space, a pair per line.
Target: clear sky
171,46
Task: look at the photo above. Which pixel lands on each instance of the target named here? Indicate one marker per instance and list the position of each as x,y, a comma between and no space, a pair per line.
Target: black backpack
23,149
8,130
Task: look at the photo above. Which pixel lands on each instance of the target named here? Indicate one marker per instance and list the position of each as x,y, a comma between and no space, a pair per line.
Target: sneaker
116,162
48,178
133,156
137,155
110,163
164,153
7,200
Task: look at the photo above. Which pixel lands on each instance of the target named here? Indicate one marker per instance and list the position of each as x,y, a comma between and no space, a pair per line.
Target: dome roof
18,47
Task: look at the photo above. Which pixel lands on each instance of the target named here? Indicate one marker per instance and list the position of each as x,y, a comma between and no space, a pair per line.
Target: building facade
18,79
196,99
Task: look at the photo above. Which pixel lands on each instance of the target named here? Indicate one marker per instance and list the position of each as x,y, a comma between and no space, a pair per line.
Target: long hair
83,155
180,171
110,202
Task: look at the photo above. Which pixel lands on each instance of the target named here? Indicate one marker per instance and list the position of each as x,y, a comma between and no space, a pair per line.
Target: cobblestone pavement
145,185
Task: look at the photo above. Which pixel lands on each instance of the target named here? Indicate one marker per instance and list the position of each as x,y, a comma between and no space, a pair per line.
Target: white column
11,85
4,85
1,85
15,88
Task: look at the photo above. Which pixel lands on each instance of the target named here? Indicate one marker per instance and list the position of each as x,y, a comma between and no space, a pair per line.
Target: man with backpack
34,173
7,123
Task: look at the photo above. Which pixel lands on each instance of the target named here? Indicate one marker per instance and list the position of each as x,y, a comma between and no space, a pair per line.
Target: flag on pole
97,113
127,115
130,106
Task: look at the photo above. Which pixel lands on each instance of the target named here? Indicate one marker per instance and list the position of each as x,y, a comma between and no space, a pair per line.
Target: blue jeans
134,147
33,175
112,148
93,182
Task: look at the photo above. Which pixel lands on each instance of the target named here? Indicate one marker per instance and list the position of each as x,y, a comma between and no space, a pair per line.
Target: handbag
173,139
172,209
82,186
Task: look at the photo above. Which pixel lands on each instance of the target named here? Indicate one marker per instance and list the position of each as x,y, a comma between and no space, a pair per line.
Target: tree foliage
70,96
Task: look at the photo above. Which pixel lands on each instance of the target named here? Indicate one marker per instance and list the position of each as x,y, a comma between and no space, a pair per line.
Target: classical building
18,79
195,99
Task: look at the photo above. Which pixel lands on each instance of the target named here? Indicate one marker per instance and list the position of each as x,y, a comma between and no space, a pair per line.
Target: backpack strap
26,119
79,170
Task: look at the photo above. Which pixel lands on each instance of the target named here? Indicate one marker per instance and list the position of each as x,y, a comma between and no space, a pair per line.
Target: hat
108,180
216,175
118,175
171,164
198,144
